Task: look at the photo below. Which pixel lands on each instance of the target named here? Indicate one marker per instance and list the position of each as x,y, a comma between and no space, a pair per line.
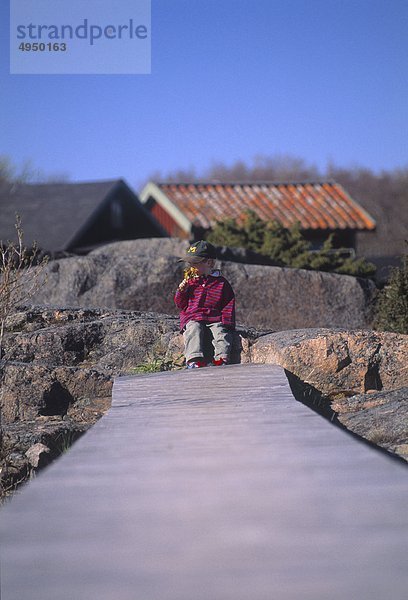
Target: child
205,300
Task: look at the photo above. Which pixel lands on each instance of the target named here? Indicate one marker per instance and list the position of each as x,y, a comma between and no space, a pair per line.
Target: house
74,217
188,210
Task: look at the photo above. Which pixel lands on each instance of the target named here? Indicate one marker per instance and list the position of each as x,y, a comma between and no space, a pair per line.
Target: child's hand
189,274
183,285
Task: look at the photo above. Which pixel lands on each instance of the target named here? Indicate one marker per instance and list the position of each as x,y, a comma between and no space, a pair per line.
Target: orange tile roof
321,205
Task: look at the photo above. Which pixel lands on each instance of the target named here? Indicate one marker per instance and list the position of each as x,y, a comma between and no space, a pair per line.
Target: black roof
52,213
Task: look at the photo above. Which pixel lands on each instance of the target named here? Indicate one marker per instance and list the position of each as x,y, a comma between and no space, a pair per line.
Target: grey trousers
194,340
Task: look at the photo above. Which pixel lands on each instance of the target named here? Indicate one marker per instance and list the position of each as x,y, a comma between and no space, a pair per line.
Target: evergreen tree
228,233
254,230
392,305
286,246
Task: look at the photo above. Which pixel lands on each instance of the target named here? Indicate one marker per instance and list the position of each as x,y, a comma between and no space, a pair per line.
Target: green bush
392,304
286,247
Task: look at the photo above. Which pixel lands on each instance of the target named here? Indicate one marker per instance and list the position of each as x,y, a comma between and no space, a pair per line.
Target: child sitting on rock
205,300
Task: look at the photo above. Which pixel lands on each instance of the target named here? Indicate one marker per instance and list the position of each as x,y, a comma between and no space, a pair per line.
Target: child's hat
198,252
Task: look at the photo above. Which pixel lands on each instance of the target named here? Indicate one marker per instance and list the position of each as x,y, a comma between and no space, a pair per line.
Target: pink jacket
207,298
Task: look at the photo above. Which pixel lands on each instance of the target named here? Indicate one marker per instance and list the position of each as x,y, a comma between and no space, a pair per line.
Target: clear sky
325,80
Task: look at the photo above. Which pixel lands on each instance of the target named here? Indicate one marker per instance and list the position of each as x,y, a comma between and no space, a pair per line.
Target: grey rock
38,455
32,390
379,417
60,369
52,432
111,341
62,361
14,468
282,298
143,275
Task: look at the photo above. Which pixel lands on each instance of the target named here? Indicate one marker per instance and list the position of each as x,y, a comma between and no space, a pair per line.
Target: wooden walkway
212,484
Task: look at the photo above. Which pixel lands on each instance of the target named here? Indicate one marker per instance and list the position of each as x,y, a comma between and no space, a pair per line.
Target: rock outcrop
63,358
143,275
62,362
59,375
379,417
110,340
30,445
335,361
358,379
60,370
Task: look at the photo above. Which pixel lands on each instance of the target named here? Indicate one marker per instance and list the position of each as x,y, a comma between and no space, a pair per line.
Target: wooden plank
210,484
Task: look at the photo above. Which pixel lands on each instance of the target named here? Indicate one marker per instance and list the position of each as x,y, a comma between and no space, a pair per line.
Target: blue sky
325,80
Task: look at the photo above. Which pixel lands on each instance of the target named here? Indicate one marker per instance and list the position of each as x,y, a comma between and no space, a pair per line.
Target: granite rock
63,361
357,379
59,372
379,417
333,361
38,455
21,437
143,275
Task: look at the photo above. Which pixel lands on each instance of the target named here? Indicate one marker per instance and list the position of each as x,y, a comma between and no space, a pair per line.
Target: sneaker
196,364
219,362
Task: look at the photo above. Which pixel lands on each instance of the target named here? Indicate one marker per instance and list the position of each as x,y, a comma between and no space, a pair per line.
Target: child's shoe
196,364
218,362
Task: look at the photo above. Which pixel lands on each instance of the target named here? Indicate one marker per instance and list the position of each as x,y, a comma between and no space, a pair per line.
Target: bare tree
280,167
28,173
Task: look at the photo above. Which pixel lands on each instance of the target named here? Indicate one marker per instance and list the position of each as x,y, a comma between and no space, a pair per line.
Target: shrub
287,247
392,304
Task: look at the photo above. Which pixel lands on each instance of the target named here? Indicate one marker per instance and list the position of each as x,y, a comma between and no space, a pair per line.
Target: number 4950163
42,47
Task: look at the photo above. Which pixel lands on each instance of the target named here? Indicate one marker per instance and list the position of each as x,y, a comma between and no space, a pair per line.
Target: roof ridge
260,182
